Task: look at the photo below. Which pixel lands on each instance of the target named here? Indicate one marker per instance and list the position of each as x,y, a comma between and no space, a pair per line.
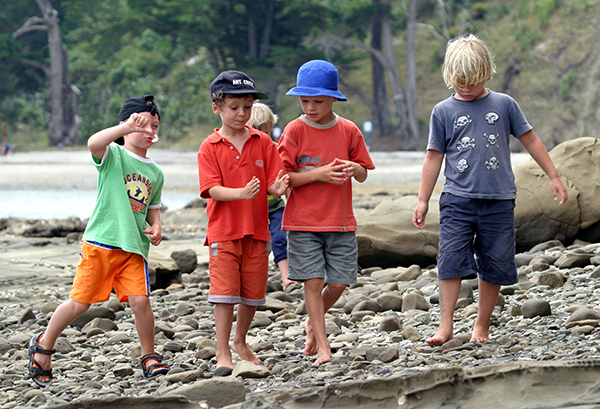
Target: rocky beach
543,353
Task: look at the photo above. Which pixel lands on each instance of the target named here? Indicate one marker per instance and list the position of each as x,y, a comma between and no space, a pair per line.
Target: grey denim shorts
332,256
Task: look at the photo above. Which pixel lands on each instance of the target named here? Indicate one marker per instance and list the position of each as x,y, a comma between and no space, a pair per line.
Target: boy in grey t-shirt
472,129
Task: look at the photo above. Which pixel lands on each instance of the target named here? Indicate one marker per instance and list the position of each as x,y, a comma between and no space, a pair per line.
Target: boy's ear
216,109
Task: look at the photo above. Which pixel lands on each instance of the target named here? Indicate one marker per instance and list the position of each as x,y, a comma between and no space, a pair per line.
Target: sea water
61,184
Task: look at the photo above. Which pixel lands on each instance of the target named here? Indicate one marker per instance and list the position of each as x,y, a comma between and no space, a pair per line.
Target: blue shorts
477,236
278,237
332,256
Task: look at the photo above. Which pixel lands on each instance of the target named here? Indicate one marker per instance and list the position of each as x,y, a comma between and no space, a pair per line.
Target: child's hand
353,170
281,184
138,123
154,233
334,173
559,189
251,189
418,218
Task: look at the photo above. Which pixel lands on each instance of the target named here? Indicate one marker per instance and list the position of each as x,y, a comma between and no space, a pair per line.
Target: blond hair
468,61
262,117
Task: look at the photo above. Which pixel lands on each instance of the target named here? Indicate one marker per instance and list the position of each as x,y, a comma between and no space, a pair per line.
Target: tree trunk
57,127
64,98
398,94
266,34
252,40
380,111
411,72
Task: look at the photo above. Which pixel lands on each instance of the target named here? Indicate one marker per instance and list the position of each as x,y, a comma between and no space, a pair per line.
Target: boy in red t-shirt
321,152
234,165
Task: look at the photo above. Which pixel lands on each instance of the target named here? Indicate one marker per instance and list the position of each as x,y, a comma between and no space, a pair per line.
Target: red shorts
238,272
101,269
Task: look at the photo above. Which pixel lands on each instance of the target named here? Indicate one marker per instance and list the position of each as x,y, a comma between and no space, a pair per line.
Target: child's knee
336,288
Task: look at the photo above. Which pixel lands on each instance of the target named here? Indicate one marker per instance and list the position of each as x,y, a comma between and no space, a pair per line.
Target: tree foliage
174,48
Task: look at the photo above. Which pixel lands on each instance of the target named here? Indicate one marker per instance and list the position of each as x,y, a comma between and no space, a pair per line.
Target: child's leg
488,295
279,242
223,323
316,314
245,315
144,324
283,269
449,291
330,294
62,317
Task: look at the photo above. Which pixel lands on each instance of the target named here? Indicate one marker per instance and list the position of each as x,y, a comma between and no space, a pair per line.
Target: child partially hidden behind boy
321,152
264,120
238,166
472,130
116,240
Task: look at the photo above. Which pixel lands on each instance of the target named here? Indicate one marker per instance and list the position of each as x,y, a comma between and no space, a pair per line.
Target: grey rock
367,305
387,238
186,260
390,322
535,308
211,391
389,302
91,313
246,369
414,301
584,314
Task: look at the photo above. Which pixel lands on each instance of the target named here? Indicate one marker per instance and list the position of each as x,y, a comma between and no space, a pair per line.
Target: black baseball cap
144,103
235,83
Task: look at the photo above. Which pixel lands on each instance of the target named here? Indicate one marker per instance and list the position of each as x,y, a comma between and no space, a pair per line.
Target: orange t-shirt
220,164
306,145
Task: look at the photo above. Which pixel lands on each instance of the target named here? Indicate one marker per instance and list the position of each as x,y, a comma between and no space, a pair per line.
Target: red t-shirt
220,164
306,145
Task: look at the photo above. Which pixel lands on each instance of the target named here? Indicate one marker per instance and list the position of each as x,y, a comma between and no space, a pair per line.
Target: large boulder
387,238
538,217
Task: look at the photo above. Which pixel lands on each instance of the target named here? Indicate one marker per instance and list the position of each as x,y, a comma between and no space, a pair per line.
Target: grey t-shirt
475,136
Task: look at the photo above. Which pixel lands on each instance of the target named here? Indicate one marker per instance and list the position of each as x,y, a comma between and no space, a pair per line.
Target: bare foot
322,358
225,360
310,348
245,353
440,338
286,283
480,334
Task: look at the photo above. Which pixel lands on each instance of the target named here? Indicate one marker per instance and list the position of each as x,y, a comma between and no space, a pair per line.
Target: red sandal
155,369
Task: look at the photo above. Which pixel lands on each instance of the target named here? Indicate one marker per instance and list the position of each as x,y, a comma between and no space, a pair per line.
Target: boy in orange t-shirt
321,152
235,164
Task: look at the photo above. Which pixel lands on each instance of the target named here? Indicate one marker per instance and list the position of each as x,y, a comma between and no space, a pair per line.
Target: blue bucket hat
317,77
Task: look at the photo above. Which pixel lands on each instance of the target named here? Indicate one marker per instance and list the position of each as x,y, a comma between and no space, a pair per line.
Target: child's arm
354,169
228,194
331,173
98,142
154,231
280,186
538,152
431,171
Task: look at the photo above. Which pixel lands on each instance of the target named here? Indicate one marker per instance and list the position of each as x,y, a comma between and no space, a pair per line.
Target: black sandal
35,368
155,369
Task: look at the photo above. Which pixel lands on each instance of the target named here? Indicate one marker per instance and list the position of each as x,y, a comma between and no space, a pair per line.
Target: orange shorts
101,269
238,272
